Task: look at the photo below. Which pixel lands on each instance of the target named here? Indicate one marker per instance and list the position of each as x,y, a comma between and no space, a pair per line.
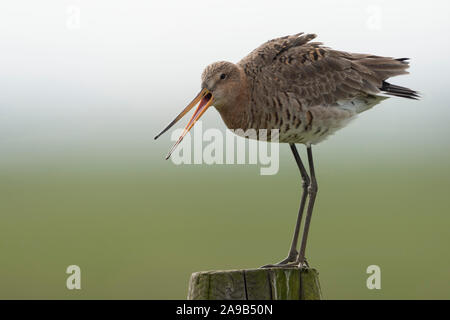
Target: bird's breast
308,125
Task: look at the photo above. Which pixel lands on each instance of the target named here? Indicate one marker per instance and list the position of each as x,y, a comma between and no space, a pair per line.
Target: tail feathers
404,60
382,68
399,91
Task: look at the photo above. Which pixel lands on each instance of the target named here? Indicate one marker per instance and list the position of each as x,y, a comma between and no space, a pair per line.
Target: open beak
206,99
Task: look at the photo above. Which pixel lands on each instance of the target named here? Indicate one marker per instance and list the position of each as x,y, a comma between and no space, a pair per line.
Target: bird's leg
305,183
292,255
312,190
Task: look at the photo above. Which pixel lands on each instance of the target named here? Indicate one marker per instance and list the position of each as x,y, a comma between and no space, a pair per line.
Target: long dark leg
312,191
292,255
305,183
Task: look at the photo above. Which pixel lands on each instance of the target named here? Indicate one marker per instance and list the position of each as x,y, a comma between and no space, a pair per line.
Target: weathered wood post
255,284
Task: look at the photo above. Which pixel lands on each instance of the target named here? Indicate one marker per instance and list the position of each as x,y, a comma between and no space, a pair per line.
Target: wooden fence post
255,284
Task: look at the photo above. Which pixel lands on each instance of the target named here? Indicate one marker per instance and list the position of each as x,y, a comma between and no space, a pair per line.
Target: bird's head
223,80
221,86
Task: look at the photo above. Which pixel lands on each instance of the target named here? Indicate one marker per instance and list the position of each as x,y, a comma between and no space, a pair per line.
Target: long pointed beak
206,99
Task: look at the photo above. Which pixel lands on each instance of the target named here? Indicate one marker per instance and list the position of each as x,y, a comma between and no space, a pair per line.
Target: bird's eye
223,76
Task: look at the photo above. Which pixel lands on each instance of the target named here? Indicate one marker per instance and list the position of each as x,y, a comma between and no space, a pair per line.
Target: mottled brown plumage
303,89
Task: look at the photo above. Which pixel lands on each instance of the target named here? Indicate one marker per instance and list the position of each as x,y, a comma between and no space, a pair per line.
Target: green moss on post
255,284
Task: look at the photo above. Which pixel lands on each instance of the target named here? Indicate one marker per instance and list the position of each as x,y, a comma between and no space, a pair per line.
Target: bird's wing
317,75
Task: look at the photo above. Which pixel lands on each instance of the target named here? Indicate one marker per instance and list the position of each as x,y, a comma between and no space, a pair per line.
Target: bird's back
309,91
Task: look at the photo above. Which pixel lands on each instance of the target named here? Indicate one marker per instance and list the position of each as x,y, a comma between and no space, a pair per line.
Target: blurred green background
138,232
82,181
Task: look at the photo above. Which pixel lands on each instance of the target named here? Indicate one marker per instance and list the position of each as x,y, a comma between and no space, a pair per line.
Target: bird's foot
279,265
292,257
304,265
289,262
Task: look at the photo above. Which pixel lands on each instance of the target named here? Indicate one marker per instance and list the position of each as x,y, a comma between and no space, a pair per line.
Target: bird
307,92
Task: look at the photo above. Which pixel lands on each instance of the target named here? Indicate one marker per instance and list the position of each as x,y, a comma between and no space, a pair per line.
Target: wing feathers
320,75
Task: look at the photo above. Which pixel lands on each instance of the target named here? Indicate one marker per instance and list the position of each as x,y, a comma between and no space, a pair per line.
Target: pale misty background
86,85
113,81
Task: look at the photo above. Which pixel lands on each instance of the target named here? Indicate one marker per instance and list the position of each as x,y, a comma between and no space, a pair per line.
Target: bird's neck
235,113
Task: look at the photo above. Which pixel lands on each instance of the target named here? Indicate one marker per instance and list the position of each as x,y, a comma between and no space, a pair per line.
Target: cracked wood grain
255,284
